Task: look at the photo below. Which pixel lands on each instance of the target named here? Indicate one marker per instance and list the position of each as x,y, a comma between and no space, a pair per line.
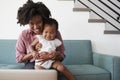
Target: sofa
82,62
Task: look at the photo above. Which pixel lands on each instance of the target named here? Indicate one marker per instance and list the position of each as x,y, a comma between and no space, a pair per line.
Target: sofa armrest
108,62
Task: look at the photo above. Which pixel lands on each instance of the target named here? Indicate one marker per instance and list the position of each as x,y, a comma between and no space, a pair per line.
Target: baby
47,42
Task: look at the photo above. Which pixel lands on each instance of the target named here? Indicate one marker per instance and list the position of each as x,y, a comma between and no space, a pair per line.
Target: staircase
101,11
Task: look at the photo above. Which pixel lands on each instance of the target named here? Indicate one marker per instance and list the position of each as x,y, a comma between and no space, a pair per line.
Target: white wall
72,25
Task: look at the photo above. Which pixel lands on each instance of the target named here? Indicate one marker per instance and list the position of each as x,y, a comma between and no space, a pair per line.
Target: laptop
25,74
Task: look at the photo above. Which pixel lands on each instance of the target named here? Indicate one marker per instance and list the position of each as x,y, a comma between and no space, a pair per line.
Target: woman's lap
29,65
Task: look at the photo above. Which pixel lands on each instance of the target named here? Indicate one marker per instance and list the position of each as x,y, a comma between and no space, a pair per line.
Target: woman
33,14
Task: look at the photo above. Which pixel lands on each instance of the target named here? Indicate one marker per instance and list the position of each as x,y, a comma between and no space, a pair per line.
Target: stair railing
99,14
103,11
109,8
115,6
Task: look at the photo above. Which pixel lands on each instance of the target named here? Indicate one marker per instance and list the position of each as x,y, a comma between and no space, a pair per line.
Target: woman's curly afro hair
30,9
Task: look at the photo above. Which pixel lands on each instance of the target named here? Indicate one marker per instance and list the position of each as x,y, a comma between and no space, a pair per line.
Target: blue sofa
80,60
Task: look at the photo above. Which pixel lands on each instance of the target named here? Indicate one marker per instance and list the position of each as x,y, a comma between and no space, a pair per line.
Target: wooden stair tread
96,20
81,9
111,32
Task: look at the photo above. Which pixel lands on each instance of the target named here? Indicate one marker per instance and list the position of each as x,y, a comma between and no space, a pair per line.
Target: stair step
96,21
100,14
77,4
81,9
111,32
92,15
109,27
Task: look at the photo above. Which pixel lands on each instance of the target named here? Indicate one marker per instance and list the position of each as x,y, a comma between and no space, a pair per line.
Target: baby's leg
60,67
38,67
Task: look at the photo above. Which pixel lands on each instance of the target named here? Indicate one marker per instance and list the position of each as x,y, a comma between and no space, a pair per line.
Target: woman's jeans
29,65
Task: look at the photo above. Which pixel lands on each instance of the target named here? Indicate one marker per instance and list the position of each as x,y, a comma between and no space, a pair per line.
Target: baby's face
49,32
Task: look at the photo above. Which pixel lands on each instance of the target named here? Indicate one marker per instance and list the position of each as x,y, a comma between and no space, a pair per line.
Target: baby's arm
38,46
33,50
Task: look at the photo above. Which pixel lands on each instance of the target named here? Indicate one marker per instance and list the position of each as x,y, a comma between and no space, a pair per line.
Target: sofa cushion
88,72
11,66
79,50
7,51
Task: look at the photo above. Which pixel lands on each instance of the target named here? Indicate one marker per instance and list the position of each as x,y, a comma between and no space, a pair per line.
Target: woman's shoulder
25,33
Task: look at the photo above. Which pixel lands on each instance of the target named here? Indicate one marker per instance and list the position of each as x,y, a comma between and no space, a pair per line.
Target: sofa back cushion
7,51
78,52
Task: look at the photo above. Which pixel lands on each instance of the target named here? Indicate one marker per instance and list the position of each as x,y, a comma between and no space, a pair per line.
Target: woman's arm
60,50
21,52
27,57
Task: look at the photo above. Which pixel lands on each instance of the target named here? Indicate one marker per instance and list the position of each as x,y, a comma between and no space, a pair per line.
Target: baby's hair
51,21
30,9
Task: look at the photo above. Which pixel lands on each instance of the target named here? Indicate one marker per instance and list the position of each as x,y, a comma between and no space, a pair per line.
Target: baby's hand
38,46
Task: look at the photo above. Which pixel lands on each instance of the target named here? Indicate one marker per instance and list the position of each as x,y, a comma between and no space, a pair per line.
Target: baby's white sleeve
39,37
57,42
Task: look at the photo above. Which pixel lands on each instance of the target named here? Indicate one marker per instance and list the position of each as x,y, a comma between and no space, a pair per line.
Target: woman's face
36,24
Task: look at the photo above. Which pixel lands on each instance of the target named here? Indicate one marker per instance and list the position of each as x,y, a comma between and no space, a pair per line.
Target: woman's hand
44,56
53,55
56,56
35,55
